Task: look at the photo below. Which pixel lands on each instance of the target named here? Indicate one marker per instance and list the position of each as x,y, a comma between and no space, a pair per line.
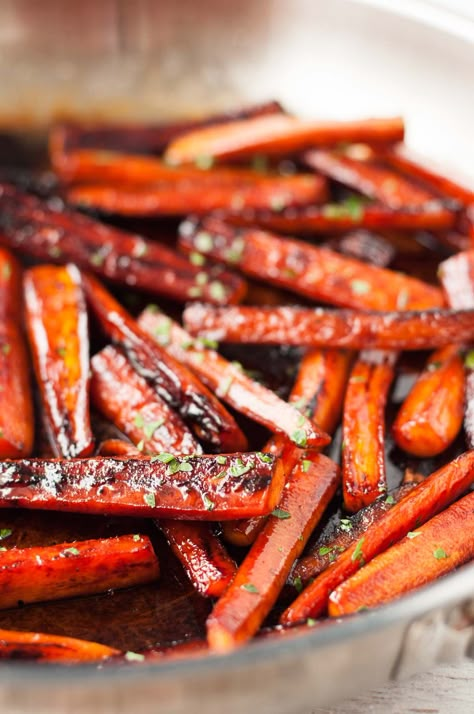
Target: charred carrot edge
424,330
51,648
427,553
278,134
56,234
230,383
457,278
209,488
127,400
173,383
117,447
57,325
55,572
363,245
16,401
255,588
317,273
431,416
363,429
423,502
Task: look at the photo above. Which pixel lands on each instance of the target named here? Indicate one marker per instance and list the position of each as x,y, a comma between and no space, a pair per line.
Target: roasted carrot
230,383
209,488
431,416
457,278
118,447
57,325
16,401
255,588
317,273
419,505
51,232
173,383
363,429
278,134
51,648
427,553
364,245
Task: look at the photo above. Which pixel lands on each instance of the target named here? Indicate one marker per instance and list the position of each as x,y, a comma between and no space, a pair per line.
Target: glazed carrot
209,488
180,650
317,273
230,383
364,245
53,233
125,398
118,447
173,383
431,416
331,328
457,278
278,134
16,401
363,429
51,648
55,572
419,505
255,588
57,325
427,553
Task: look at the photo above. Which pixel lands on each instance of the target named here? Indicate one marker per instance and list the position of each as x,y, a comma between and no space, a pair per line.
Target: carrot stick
51,648
278,134
317,273
230,383
419,505
118,447
54,233
331,328
363,429
56,320
427,553
431,416
16,401
173,383
209,488
255,588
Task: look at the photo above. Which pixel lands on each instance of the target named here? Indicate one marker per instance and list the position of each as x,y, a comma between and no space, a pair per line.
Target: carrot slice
56,320
419,505
363,429
16,401
427,553
51,648
317,273
173,383
118,447
278,134
255,588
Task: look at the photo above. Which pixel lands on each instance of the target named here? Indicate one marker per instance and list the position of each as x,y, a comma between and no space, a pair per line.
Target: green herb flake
413,534
325,550
305,465
6,271
149,499
249,587
301,421
201,278
136,538
3,549
204,162
184,466
278,203
298,584
139,421
390,500
217,291
210,505
300,404
141,444
354,207
235,253
5,533
402,299
54,252
238,468
6,348
357,379
187,344
224,386
134,657
281,513
163,332
299,438
164,457
150,427
194,291
208,343
221,460
266,458
433,366
440,553
97,259
360,287
203,242
198,356
358,555
70,551
311,622
140,249
345,524
197,259
469,360
61,352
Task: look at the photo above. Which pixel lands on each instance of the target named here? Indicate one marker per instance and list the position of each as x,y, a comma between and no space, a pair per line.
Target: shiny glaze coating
51,648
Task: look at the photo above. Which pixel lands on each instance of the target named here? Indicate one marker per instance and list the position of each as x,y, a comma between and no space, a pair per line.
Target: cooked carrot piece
347,329
51,648
457,278
363,429
469,414
427,553
317,273
419,505
173,383
56,320
255,588
278,134
209,488
186,649
364,245
125,398
118,447
431,416
230,383
16,401
54,233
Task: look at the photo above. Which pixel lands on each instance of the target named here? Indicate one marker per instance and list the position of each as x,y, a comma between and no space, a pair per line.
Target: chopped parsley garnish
210,505
413,534
150,427
305,464
141,444
5,533
70,551
440,553
402,299
433,366
163,332
140,249
358,554
224,386
238,468
300,404
298,584
197,259
325,550
249,587
134,657
149,499
97,259
208,343
201,278
54,251
299,438
164,457
235,252
204,162
203,242
266,458
345,524
136,538
281,513
360,287
469,360
311,622
61,352
390,500
278,203
217,291
221,460
139,421
357,379
195,291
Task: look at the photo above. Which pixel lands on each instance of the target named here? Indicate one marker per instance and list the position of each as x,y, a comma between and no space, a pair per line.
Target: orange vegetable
118,447
51,648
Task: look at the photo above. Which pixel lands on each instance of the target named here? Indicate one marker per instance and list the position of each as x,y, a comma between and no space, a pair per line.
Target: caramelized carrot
431,416
363,429
51,648
419,505
427,553
364,245
173,383
209,488
56,320
16,401
278,134
457,278
255,588
317,273
469,414
118,447
331,328
230,383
